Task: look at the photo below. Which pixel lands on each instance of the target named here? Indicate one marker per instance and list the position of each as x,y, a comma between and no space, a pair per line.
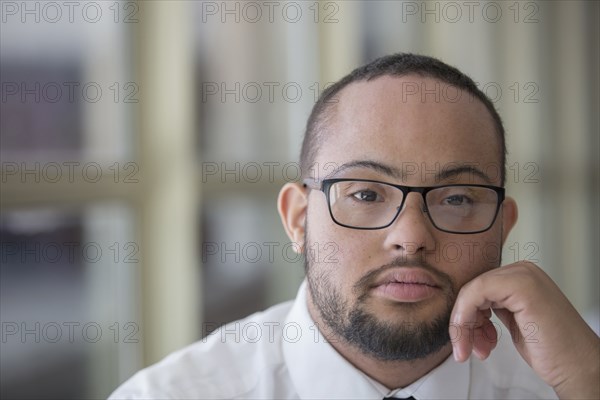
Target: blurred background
143,145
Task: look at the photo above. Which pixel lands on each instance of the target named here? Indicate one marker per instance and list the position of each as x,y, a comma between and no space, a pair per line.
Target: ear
292,204
510,213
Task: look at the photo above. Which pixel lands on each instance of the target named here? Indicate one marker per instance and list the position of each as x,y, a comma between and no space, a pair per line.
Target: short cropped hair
400,64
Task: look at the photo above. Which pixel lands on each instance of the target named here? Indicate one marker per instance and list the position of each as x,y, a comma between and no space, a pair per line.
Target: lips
406,285
406,276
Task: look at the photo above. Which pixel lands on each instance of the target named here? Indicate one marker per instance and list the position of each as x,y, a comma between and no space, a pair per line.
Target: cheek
343,254
465,258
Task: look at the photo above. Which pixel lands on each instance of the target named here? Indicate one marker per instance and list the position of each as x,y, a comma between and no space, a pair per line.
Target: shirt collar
449,380
319,371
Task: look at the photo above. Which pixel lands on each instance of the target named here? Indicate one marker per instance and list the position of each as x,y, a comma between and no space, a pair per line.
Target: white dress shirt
280,354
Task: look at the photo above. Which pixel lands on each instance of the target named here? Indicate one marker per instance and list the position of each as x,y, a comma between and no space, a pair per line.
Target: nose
412,231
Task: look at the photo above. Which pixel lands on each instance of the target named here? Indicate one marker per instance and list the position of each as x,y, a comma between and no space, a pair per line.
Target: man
403,159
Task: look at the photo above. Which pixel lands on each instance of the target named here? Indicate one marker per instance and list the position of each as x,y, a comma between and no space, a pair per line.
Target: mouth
406,285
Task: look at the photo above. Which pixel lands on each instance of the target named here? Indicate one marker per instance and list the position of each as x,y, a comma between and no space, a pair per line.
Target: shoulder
234,361
506,375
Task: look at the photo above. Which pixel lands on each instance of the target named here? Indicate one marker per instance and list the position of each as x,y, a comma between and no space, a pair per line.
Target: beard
361,328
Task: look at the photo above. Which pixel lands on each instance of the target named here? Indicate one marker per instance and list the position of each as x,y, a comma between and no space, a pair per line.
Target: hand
565,352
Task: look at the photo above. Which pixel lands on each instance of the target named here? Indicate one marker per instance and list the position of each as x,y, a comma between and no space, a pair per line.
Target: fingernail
456,354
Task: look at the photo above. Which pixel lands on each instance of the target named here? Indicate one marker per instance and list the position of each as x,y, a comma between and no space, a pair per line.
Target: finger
486,313
485,340
509,322
479,295
497,288
479,337
506,317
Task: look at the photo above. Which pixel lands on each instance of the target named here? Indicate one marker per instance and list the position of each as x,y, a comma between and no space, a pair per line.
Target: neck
391,374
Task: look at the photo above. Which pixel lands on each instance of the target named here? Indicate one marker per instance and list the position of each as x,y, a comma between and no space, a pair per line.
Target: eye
367,196
457,200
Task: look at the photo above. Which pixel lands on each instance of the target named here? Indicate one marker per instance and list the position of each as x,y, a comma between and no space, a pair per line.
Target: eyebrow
393,172
462,169
373,165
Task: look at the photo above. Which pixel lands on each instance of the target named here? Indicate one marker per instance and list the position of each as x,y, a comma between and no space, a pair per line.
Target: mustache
364,283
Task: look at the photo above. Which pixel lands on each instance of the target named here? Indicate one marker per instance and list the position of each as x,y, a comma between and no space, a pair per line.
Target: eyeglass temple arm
311,183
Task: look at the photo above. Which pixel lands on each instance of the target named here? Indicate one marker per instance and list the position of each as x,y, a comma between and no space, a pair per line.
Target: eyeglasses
367,204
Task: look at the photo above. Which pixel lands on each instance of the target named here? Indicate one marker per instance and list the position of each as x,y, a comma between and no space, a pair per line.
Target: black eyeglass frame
325,186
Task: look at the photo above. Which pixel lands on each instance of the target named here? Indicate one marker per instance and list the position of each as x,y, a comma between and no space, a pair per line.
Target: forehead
410,120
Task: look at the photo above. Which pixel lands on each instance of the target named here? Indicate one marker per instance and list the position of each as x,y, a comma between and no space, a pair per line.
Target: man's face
390,291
